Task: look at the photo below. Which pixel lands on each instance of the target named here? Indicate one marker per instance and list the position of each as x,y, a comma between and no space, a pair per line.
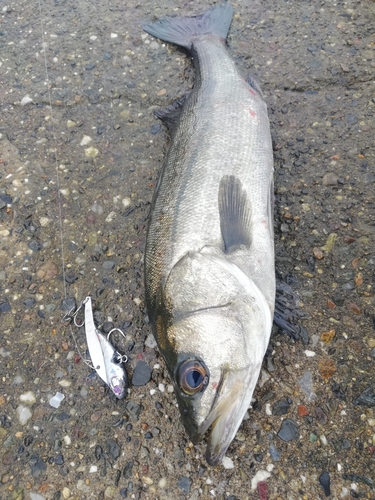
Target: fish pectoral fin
235,213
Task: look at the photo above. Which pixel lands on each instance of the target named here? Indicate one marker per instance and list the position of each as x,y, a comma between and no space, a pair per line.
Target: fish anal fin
235,213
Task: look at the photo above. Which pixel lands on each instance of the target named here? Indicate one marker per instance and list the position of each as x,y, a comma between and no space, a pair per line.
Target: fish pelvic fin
235,213
170,115
182,30
254,85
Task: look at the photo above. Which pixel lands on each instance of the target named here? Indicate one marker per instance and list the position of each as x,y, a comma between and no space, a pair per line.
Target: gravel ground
76,181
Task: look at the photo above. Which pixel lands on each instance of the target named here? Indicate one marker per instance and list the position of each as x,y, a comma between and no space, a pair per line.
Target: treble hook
121,358
68,317
113,330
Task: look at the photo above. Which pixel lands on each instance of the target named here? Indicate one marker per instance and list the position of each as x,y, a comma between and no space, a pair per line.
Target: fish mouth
219,439
225,421
227,414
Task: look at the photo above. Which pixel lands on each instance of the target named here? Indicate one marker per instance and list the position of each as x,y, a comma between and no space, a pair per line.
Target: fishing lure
106,360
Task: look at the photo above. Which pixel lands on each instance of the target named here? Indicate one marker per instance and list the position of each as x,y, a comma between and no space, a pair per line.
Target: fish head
219,353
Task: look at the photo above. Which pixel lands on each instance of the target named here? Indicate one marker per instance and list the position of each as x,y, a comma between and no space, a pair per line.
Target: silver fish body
209,262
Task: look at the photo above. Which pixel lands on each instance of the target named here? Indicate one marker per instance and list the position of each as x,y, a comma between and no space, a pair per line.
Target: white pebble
111,216
152,391
56,399
66,492
161,387
91,152
344,492
65,383
170,388
137,301
25,100
126,202
150,341
264,377
93,468
96,208
162,483
270,467
309,354
67,440
44,221
323,440
24,414
93,37
339,467
227,463
85,140
268,409
261,475
114,35
36,496
28,398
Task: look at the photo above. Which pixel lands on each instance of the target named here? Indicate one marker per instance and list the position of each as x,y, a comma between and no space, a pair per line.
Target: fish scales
209,263
225,130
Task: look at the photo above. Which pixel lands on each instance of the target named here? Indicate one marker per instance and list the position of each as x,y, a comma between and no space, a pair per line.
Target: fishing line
58,184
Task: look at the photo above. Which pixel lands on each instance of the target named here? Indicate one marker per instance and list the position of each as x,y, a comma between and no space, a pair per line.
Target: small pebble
108,264
261,475
227,463
366,398
28,398
85,140
302,411
150,341
184,484
113,449
134,409
289,430
276,457
26,100
37,465
325,482
281,407
36,496
5,307
262,490
310,354
330,179
141,374
127,470
162,482
24,414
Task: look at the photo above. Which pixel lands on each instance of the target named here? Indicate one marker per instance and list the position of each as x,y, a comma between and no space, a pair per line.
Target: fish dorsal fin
235,213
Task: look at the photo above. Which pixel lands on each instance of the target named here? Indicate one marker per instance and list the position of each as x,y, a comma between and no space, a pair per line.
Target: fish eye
193,376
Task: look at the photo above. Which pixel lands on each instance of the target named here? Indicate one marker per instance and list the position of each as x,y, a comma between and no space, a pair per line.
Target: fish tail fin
182,30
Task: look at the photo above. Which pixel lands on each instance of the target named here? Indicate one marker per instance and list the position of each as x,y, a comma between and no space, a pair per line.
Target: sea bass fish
209,260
